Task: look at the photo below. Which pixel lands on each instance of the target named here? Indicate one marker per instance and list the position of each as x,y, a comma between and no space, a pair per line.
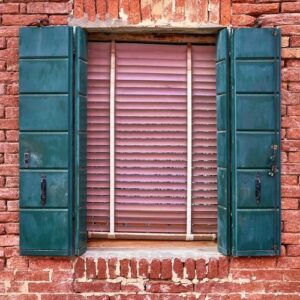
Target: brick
156,9
289,203
133,268
101,7
32,275
279,19
11,181
290,7
291,275
254,9
124,267
101,266
290,98
294,86
55,263
79,8
293,250
294,156
295,41
12,135
287,215
289,179
21,19
242,20
17,263
290,29
214,12
48,8
62,276
285,41
90,9
190,266
167,287
6,217
12,89
143,268
50,287
11,251
166,269
180,10
290,238
9,8
112,268
9,124
282,287
155,269
213,266
290,74
223,267
290,53
290,191
288,262
113,9
11,158
135,12
132,288
96,286
12,205
12,228
9,193
58,20
225,12
178,267
79,268
90,268
253,263
146,10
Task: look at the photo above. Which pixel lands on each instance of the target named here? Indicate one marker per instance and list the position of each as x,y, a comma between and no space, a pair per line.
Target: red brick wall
88,278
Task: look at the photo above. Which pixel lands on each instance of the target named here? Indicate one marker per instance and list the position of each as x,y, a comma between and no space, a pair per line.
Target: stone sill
121,249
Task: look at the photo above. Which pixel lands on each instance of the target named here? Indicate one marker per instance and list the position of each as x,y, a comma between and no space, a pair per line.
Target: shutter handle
26,160
257,189
43,190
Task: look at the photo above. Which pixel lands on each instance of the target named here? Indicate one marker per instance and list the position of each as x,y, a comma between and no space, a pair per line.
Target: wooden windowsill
151,249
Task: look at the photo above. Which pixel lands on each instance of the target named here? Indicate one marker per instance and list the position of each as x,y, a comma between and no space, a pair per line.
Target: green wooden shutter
223,141
255,75
47,142
80,139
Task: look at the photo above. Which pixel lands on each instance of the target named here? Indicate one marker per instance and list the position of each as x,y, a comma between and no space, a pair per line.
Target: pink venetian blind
204,186
98,137
151,137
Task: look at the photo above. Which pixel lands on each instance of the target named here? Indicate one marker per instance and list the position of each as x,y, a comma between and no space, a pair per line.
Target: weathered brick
96,286
90,268
48,8
101,266
155,269
190,266
178,267
166,269
254,9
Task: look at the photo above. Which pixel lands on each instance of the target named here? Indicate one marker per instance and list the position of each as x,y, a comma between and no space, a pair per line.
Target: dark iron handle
43,190
257,189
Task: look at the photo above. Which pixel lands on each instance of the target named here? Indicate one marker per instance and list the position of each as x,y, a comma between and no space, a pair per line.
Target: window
152,140
54,137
